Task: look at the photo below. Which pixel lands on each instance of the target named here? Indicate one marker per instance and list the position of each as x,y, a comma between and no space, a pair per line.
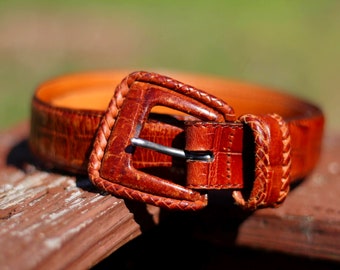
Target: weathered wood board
58,221
54,221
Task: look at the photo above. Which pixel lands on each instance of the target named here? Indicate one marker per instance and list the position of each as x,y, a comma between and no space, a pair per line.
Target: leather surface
261,140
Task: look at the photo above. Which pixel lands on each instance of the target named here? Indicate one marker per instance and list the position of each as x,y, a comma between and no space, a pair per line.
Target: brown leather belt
163,142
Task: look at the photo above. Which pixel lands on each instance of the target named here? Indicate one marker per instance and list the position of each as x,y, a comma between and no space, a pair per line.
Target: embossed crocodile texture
261,139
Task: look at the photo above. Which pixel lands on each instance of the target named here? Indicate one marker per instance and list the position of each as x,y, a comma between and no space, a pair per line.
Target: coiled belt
165,141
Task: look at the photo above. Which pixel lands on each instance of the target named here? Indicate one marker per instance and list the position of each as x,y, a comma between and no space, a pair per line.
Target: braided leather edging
287,160
264,190
160,80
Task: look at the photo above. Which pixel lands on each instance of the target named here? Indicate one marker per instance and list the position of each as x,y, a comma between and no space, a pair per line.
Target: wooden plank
55,221
61,221
303,232
308,223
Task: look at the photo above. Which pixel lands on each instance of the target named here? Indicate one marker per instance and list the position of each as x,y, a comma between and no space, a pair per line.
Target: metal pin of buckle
174,152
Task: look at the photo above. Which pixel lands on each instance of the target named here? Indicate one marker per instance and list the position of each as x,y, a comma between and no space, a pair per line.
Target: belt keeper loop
272,162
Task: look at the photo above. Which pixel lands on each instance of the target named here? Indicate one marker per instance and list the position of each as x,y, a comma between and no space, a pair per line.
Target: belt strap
154,139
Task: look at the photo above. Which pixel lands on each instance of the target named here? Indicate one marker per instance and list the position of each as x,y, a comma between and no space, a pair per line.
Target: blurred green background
293,45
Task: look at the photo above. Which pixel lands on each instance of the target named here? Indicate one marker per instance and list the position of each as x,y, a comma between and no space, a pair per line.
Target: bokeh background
293,45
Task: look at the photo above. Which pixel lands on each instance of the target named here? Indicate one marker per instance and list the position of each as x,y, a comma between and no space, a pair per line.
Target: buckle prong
175,152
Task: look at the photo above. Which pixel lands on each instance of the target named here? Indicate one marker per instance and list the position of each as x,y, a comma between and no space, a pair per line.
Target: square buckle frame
110,164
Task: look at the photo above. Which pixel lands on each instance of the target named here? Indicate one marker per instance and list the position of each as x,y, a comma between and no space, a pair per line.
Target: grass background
293,45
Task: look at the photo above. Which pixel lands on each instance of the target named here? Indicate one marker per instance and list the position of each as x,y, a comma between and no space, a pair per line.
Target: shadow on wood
53,220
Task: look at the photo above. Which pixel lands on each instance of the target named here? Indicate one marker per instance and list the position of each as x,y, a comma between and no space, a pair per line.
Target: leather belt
164,142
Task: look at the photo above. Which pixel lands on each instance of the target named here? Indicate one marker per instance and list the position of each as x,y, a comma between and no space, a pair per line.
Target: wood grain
57,221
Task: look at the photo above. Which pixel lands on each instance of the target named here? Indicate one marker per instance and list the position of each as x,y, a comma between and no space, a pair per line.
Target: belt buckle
110,164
